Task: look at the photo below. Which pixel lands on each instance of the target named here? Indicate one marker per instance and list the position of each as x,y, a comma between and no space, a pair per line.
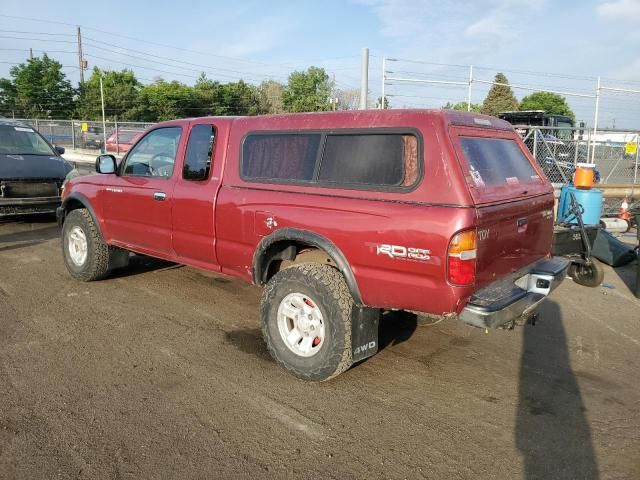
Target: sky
561,45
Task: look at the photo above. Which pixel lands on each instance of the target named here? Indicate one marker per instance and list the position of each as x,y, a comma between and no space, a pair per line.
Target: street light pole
104,123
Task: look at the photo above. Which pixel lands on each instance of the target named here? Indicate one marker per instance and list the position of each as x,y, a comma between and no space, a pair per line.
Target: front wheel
306,321
590,275
86,256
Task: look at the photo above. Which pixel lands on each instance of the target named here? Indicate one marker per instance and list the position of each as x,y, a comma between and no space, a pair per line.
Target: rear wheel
590,275
86,256
306,321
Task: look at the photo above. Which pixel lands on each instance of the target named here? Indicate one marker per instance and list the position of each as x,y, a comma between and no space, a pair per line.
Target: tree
500,97
121,90
462,107
240,98
549,102
38,89
163,100
270,93
307,91
379,102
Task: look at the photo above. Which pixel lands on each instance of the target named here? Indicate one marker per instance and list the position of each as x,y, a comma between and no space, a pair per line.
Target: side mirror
106,164
59,150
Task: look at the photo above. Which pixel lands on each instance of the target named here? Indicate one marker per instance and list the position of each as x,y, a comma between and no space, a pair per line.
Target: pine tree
500,98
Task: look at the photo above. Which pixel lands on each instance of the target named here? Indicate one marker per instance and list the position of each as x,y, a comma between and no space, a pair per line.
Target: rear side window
349,160
283,157
496,162
370,159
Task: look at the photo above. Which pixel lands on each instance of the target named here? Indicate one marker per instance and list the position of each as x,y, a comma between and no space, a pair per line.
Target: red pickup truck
337,215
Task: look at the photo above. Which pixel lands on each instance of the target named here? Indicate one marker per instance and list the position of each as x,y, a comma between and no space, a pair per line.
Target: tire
327,298
99,258
587,275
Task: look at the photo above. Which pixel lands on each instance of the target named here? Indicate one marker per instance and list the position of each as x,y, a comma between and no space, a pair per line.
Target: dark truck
31,170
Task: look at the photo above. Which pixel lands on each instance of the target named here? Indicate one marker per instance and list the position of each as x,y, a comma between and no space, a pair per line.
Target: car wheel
86,256
306,321
587,275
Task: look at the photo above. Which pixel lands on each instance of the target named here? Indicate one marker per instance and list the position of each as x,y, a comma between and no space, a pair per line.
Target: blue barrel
591,201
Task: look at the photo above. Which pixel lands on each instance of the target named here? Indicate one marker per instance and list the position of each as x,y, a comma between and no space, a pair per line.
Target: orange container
583,177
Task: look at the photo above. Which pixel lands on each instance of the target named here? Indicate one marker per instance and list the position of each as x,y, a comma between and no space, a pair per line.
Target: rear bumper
503,302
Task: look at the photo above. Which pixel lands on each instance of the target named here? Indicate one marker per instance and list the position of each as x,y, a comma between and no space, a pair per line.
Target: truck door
138,201
195,194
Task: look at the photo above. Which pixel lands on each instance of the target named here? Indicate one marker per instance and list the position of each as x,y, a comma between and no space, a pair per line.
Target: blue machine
590,200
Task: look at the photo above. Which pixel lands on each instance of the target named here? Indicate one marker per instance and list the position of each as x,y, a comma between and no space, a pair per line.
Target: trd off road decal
403,253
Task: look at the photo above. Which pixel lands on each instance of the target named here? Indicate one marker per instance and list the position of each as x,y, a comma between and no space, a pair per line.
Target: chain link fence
89,137
557,150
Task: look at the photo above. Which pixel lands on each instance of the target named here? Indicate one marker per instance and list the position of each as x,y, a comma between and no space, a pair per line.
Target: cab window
155,154
197,161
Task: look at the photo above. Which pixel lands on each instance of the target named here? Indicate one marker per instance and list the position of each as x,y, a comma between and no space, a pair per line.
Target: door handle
159,196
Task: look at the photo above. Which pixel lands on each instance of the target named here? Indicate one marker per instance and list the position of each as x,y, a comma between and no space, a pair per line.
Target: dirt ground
160,372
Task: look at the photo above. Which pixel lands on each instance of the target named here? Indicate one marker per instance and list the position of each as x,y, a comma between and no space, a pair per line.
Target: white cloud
620,10
464,29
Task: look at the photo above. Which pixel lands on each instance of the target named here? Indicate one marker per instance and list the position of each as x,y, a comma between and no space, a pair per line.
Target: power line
48,40
37,33
157,56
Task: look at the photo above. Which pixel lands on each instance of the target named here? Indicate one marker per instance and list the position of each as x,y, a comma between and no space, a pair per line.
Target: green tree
500,97
240,98
307,91
38,89
121,91
379,102
461,106
7,97
270,92
549,102
163,100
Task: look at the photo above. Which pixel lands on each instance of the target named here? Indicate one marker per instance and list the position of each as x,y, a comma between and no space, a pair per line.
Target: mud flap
365,323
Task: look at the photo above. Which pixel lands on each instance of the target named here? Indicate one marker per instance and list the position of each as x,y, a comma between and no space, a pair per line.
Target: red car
337,215
125,139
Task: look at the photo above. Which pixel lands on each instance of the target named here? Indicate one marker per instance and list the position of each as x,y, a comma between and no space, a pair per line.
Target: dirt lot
161,372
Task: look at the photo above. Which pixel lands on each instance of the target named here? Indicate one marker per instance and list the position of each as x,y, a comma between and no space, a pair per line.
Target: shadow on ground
139,264
41,228
552,430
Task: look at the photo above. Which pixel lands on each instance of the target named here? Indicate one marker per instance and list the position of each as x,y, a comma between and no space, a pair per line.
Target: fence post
535,144
73,136
37,127
635,171
117,140
595,122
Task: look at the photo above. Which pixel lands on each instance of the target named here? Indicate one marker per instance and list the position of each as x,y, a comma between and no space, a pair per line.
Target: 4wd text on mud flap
364,348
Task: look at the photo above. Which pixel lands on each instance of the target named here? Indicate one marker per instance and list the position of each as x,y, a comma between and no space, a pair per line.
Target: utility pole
80,58
31,53
104,123
384,78
469,88
364,78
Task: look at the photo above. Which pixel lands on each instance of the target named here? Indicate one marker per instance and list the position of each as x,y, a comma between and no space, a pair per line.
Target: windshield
16,140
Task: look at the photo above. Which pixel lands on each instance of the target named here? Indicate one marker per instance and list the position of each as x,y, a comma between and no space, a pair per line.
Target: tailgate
513,199
512,235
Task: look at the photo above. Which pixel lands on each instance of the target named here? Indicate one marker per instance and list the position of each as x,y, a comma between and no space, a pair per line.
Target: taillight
461,258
